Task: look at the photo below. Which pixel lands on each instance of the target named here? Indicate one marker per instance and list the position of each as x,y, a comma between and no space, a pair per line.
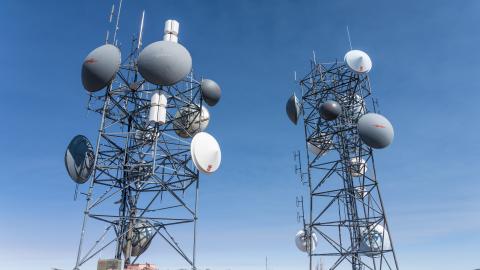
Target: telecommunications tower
345,223
143,172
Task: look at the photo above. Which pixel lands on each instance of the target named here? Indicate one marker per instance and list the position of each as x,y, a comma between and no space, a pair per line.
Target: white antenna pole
109,21
111,13
140,35
349,40
295,75
116,25
314,58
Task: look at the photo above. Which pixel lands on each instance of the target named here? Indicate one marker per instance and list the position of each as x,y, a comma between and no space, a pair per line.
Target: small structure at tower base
109,264
145,266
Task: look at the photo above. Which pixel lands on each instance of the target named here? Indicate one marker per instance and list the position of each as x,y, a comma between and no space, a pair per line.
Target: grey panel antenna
211,92
164,63
100,67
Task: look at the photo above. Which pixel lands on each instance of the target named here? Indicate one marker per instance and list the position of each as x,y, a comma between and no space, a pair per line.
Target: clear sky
425,74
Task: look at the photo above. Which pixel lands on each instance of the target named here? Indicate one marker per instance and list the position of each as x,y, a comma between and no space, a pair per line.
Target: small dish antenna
320,144
358,61
358,166
79,159
293,109
190,120
143,233
211,92
330,110
375,239
303,243
206,153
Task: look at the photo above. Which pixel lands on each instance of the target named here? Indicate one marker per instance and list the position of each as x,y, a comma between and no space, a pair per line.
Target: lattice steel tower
345,223
143,181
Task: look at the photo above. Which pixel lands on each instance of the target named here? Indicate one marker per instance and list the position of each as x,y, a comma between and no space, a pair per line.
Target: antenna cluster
150,150
345,225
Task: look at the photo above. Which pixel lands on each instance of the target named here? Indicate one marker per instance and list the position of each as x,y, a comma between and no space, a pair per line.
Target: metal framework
143,172
344,198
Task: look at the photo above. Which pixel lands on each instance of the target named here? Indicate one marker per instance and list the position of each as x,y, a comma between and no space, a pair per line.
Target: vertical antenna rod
116,24
349,40
110,21
140,35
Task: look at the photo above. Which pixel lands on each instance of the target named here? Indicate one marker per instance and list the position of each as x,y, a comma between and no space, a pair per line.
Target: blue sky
425,69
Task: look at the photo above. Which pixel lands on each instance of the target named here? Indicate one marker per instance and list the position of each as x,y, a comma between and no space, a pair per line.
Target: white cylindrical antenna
171,31
140,35
158,108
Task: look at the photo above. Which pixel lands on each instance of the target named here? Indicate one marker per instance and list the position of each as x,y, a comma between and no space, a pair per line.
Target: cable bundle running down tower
144,171
345,224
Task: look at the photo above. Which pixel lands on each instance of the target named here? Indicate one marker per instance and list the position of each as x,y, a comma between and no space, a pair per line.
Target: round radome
164,63
358,61
375,130
79,159
211,92
100,67
190,120
205,152
302,242
330,110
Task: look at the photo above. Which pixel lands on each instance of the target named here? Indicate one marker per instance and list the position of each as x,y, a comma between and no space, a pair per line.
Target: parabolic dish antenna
375,130
330,110
206,154
358,61
190,120
358,167
304,244
293,109
164,63
211,92
100,67
79,159
320,144
375,239
143,233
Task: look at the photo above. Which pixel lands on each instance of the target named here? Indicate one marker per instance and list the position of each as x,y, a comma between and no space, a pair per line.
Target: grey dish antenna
303,242
79,159
164,63
100,67
211,92
143,233
293,109
375,130
330,110
358,61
